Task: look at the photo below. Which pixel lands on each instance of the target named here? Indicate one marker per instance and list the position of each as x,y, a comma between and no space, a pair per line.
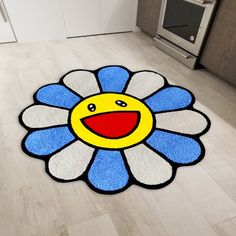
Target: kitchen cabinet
148,16
118,15
219,54
88,17
82,17
6,33
34,20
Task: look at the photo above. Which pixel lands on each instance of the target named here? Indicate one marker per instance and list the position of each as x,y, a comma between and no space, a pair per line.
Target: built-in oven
182,28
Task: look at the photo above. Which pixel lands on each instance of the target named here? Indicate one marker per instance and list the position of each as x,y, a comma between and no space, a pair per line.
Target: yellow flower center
111,120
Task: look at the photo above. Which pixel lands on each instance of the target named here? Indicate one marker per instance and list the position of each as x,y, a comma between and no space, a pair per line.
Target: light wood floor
200,201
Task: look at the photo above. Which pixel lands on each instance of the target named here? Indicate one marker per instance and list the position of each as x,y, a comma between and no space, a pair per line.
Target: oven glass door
183,18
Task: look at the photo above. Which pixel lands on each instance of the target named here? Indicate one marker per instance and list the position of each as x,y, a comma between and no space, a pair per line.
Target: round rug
113,127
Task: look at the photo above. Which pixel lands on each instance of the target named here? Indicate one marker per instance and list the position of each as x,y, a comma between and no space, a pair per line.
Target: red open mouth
114,125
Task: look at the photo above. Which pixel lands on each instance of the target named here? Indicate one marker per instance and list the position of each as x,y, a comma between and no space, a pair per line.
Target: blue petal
108,171
171,98
113,78
46,141
177,148
57,95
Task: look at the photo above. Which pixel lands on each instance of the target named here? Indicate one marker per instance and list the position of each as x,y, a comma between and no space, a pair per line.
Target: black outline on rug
131,180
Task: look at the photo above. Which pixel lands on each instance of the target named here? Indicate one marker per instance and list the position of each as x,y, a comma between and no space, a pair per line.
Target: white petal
147,166
71,162
186,121
82,82
143,84
40,116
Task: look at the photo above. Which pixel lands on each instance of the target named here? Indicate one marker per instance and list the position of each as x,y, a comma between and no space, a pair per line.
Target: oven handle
173,49
205,1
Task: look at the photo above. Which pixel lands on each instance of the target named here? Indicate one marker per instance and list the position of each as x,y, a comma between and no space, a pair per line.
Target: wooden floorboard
202,199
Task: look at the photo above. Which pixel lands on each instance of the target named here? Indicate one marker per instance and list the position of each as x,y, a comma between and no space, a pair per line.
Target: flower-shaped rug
113,128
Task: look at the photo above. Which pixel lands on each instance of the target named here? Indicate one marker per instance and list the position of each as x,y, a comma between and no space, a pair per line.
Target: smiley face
111,120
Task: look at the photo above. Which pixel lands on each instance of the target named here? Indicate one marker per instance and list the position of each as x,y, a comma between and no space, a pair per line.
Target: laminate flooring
200,201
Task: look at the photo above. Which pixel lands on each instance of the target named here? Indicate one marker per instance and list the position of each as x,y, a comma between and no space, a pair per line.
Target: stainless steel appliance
182,28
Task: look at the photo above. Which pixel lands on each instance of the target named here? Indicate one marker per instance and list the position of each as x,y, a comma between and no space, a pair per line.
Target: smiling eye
121,103
91,107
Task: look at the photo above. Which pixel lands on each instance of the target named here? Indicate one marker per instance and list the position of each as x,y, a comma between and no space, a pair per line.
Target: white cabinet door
118,15
82,17
36,20
6,33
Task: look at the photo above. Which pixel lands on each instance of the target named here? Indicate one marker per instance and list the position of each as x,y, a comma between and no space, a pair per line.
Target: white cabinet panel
35,20
88,17
118,15
82,17
6,33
